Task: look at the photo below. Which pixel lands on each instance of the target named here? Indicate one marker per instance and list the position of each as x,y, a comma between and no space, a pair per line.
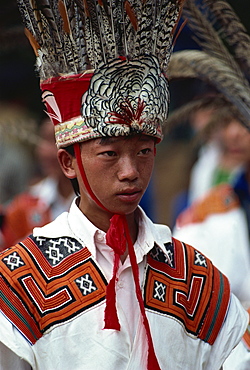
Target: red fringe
111,319
115,238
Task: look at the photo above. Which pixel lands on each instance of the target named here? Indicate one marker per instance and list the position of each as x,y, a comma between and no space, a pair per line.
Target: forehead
126,139
120,140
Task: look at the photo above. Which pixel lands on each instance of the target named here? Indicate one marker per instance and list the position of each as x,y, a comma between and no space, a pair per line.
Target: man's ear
66,161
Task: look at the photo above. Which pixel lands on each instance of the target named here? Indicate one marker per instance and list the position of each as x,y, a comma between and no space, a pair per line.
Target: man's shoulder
55,228
183,284
46,281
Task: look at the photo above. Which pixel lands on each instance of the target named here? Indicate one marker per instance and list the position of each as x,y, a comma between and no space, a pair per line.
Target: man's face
118,170
236,142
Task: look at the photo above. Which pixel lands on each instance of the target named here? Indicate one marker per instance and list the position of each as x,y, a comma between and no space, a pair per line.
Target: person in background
224,149
221,142
17,141
218,193
49,195
218,224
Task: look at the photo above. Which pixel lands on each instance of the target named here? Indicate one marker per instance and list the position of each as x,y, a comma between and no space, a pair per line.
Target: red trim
67,92
246,336
18,315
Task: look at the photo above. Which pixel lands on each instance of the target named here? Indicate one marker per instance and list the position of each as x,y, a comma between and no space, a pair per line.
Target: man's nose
128,169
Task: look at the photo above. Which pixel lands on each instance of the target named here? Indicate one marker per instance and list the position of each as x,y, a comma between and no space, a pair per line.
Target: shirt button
100,236
120,284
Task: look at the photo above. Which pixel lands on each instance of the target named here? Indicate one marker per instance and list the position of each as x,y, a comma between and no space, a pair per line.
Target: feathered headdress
102,63
224,58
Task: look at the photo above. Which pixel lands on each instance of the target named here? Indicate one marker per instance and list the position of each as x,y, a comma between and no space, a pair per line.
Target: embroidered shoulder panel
184,284
47,282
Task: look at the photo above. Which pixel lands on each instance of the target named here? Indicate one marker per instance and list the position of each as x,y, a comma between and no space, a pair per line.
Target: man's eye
109,153
145,151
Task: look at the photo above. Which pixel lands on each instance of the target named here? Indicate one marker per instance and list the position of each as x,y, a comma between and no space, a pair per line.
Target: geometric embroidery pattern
200,259
13,261
167,257
56,249
193,292
46,282
159,291
86,284
170,253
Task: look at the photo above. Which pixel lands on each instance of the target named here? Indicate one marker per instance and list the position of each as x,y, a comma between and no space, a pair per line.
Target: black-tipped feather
212,22
75,35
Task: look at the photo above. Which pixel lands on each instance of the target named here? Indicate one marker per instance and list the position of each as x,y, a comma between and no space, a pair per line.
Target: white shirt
82,344
47,191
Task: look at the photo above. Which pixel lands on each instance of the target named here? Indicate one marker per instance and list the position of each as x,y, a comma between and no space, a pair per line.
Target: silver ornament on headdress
111,104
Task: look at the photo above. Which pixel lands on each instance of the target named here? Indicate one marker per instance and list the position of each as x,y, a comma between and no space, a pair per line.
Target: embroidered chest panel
47,282
183,284
52,281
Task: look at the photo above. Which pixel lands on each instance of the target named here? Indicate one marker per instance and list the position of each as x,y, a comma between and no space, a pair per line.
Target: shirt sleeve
230,333
14,348
9,360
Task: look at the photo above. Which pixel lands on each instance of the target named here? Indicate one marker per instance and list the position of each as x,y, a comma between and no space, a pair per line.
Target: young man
63,269
102,287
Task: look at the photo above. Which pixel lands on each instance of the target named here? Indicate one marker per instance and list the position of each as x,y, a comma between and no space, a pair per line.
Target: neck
133,226
101,220
64,187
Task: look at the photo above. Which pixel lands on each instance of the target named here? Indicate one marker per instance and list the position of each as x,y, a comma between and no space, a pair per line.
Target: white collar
75,224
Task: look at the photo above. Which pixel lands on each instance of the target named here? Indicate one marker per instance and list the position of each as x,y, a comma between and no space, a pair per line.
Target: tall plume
71,36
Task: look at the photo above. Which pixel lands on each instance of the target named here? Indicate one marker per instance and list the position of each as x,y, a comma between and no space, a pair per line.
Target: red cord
77,151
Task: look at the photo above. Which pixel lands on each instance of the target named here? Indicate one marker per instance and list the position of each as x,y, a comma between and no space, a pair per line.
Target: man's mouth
130,195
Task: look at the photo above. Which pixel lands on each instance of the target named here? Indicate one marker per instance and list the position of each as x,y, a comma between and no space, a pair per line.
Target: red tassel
111,318
115,238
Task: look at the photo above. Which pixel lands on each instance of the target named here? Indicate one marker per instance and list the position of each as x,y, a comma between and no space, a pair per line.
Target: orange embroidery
42,295
192,291
220,199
